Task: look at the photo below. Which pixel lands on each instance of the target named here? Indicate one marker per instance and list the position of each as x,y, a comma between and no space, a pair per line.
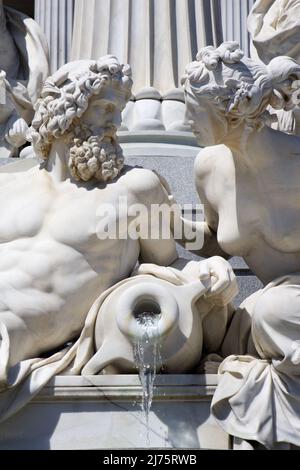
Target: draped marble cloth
34,62
158,38
22,382
275,28
258,395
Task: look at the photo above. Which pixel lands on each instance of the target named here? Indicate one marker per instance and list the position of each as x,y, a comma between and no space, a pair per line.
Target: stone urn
176,329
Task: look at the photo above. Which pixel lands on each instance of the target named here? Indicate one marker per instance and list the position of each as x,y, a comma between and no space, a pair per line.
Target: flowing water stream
147,359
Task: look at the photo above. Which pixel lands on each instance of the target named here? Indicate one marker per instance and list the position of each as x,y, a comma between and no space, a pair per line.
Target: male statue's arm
157,244
191,231
201,230
162,251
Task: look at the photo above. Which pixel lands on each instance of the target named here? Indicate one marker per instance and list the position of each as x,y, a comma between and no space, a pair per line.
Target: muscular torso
257,208
52,263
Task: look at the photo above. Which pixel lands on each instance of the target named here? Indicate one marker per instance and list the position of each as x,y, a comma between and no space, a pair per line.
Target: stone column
157,38
56,19
234,21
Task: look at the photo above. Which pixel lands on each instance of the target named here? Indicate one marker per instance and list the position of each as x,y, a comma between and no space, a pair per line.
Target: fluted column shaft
56,19
234,21
156,37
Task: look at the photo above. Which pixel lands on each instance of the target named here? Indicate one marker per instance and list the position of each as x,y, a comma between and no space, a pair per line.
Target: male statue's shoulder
140,180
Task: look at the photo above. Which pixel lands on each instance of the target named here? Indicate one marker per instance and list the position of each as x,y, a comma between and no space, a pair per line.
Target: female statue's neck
236,136
248,145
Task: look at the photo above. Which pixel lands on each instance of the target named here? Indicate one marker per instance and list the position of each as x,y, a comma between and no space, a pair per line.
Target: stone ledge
104,412
166,137
128,387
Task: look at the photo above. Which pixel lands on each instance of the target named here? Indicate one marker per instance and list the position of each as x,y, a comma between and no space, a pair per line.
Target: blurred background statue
275,29
24,68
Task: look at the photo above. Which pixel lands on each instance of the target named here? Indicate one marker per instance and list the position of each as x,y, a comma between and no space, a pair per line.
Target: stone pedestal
104,412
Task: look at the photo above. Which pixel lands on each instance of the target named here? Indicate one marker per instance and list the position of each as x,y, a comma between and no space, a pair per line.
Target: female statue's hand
223,285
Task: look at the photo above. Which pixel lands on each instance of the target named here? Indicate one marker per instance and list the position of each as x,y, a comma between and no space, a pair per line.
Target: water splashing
147,359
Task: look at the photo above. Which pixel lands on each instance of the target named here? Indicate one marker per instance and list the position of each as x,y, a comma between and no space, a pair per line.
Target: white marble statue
24,68
248,177
187,322
274,26
55,257
157,38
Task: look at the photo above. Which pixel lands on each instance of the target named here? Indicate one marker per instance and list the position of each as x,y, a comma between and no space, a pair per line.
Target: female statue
248,177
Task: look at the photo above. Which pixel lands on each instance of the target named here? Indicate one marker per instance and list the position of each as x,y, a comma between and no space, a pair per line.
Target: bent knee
277,306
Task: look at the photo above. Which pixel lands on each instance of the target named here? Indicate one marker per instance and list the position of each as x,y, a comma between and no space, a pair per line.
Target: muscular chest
89,223
24,204
53,233
83,219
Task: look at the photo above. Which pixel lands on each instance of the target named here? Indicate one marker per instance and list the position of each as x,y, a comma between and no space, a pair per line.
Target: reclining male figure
54,262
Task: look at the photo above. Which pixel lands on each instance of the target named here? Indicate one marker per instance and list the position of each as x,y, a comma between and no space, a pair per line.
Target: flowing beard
96,157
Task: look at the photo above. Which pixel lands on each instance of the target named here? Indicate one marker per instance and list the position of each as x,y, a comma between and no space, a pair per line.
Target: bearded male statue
54,260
